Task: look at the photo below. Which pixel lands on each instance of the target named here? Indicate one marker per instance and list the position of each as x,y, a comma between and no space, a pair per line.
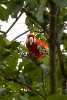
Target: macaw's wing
33,51
42,46
45,45
42,50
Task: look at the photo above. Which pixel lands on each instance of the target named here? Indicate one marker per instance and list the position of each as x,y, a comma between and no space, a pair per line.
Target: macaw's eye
28,42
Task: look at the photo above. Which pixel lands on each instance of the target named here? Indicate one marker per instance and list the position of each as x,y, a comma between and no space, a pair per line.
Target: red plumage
33,47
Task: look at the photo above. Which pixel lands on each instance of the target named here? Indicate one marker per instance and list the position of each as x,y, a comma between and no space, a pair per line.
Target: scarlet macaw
36,47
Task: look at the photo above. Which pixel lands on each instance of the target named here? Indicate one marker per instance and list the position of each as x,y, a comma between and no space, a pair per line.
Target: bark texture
52,37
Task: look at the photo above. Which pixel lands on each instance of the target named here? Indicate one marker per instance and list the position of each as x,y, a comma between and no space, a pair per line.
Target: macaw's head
30,39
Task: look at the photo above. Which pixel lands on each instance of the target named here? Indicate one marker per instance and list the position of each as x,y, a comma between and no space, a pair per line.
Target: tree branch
20,82
52,37
20,35
3,32
61,33
63,71
4,74
13,23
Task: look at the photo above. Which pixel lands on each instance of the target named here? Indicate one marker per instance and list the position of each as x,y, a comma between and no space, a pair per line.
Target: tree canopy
21,78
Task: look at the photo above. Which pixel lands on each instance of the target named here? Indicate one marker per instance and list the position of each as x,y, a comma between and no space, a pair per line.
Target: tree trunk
62,67
52,37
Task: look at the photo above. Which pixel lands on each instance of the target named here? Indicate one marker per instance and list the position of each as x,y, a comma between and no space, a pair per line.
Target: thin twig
61,33
4,82
2,32
62,67
14,22
20,35
6,76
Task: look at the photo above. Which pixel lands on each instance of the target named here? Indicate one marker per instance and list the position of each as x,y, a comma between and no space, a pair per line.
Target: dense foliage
21,78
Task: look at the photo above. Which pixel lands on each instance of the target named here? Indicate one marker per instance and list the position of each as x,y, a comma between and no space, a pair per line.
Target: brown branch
4,73
61,34
3,32
61,60
22,83
20,35
31,88
62,67
30,15
13,23
52,37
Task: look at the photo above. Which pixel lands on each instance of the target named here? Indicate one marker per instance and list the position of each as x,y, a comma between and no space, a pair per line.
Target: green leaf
9,71
1,91
65,45
62,3
28,80
13,45
33,72
13,61
23,98
3,13
6,52
45,60
29,23
14,6
6,95
14,86
20,66
32,4
34,98
29,67
57,97
2,42
24,62
41,11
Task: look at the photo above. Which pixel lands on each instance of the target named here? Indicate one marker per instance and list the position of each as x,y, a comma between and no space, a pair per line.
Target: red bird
36,48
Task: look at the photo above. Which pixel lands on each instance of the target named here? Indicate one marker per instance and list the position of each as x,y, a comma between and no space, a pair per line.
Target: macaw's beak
30,41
